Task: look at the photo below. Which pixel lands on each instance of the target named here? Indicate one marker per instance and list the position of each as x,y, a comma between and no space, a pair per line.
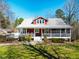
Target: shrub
2,38
57,40
22,38
46,40
45,37
28,38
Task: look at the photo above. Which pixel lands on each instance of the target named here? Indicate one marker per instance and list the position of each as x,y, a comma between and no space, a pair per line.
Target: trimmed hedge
2,38
5,39
21,38
57,40
25,38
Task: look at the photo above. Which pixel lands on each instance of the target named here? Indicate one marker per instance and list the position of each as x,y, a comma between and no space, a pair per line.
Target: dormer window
40,20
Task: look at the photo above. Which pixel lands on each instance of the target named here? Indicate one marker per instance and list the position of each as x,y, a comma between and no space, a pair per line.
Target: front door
37,32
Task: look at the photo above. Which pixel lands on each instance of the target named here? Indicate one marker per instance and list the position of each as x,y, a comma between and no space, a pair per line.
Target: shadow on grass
58,54
43,52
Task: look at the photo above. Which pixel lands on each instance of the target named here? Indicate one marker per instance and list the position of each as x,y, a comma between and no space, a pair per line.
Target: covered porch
49,32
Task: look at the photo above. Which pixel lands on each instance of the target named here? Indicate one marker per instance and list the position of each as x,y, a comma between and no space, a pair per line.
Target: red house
39,27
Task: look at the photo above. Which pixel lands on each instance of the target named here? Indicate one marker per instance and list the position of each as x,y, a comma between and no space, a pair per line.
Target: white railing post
21,30
60,32
70,35
26,30
34,32
50,33
65,33
41,32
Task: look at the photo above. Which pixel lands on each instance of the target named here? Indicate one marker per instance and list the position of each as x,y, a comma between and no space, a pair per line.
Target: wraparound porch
50,33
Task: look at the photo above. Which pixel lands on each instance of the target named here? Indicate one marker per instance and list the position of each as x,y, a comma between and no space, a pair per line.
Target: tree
71,10
5,14
75,33
18,21
4,22
60,14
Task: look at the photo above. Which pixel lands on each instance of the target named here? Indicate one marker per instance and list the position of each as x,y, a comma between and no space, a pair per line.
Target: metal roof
52,23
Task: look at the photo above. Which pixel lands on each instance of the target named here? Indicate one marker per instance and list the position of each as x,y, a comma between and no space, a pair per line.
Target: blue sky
34,8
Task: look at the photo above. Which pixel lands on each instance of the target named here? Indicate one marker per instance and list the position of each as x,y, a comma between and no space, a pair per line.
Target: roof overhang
44,26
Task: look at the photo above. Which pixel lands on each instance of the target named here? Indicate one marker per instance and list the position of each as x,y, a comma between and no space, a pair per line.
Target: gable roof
40,18
52,23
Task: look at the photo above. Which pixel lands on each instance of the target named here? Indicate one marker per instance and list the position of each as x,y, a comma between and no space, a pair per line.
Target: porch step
39,39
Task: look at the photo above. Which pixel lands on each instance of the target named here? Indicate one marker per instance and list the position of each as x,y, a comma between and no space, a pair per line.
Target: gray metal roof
52,23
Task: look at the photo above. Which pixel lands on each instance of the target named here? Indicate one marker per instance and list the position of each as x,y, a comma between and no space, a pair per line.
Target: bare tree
5,10
72,16
4,7
71,10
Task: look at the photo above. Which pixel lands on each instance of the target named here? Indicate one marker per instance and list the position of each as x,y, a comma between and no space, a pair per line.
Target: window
62,30
46,30
68,30
37,30
38,21
55,30
42,21
24,30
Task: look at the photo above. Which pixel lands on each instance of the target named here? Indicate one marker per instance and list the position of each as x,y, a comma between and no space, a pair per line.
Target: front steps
38,39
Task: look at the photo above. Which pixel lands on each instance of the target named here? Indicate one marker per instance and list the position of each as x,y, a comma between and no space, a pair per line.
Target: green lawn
67,51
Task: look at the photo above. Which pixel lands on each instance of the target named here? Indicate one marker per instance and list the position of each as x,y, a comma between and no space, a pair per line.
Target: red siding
30,30
34,21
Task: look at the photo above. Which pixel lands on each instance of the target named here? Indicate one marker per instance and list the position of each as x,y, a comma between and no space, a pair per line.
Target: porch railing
50,34
56,34
32,34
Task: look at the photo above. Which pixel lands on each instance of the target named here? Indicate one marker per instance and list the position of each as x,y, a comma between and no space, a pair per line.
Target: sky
35,8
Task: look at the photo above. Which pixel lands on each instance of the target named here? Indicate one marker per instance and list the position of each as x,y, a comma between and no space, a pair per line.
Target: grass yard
67,51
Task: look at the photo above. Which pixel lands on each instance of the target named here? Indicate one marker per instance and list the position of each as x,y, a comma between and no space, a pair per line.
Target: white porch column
60,32
50,33
34,32
41,32
65,33
70,35
21,30
26,30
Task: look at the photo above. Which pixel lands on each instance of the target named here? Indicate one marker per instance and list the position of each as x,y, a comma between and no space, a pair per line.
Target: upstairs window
42,21
38,21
